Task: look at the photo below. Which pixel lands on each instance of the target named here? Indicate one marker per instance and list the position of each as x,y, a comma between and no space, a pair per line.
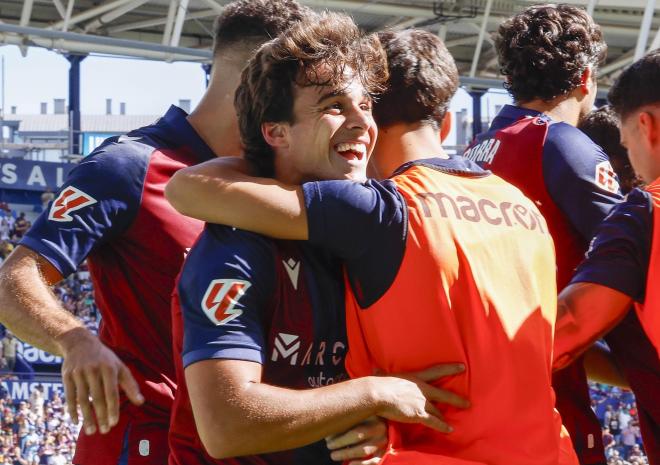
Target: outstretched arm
585,312
221,191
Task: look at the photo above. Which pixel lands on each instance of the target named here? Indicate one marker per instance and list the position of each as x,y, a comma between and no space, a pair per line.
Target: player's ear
586,80
649,128
275,134
445,126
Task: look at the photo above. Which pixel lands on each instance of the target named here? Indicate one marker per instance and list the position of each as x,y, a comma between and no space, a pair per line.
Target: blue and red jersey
437,275
276,303
572,182
620,257
112,212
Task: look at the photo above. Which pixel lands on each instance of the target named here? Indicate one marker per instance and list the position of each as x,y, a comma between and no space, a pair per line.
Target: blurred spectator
47,197
21,226
9,344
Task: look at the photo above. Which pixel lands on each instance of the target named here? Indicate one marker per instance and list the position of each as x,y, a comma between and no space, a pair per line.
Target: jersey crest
69,200
221,297
606,178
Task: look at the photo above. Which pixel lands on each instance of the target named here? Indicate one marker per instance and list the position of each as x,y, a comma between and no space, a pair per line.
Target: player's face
332,135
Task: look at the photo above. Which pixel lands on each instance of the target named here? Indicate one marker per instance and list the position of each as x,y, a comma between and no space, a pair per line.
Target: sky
147,87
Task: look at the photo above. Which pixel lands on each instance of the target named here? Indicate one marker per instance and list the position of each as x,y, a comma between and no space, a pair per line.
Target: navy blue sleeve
349,218
224,289
99,200
618,256
363,224
579,177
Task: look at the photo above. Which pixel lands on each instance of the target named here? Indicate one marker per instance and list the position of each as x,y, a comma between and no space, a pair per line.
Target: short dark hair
637,86
603,127
544,50
255,21
314,52
423,78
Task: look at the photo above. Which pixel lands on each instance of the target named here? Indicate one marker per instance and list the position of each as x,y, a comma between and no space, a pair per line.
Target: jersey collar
509,114
182,133
454,164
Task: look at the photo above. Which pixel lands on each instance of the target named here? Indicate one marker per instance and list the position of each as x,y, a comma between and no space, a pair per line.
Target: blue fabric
620,251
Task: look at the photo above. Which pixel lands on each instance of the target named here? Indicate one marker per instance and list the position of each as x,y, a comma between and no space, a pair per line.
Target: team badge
221,297
286,346
69,200
606,178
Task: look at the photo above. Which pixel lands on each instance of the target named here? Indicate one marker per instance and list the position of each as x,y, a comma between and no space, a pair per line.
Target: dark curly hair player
549,55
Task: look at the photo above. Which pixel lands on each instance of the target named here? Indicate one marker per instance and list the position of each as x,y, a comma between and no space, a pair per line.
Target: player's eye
334,108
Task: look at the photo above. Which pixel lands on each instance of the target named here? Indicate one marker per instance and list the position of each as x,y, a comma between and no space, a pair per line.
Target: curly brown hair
544,50
256,21
603,127
637,86
423,79
319,51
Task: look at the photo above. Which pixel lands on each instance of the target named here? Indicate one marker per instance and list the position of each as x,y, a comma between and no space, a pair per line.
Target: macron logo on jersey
606,178
69,200
221,297
286,346
292,268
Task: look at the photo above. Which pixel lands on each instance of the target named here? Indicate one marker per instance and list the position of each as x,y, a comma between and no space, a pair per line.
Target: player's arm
90,207
608,281
579,178
236,414
585,312
222,191
601,367
225,291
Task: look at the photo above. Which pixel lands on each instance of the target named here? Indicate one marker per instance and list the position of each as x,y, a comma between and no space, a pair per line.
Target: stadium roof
174,30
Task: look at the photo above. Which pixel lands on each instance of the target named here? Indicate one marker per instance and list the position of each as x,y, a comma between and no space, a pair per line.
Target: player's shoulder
637,205
566,142
220,244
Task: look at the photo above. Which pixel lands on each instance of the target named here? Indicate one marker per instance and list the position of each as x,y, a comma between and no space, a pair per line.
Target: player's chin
353,170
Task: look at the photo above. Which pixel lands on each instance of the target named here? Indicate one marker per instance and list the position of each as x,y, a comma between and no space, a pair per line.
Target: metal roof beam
645,28
656,41
215,5
60,8
112,15
158,21
91,13
373,8
83,43
26,12
182,9
67,16
480,40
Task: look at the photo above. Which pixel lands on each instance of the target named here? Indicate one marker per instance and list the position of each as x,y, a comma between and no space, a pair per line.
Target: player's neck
564,108
215,121
402,143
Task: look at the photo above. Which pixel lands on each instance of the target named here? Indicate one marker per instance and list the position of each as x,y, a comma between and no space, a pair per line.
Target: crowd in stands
36,432
617,411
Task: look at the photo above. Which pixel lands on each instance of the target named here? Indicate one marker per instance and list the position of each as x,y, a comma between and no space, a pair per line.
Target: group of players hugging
273,293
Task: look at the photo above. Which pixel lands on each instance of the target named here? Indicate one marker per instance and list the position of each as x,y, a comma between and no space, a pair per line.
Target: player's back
476,285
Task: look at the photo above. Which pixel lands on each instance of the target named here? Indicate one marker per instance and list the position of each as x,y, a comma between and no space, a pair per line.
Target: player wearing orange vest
623,262
434,267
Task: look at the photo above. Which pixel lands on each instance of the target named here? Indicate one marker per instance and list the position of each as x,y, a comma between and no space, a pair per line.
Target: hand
365,442
92,370
410,399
